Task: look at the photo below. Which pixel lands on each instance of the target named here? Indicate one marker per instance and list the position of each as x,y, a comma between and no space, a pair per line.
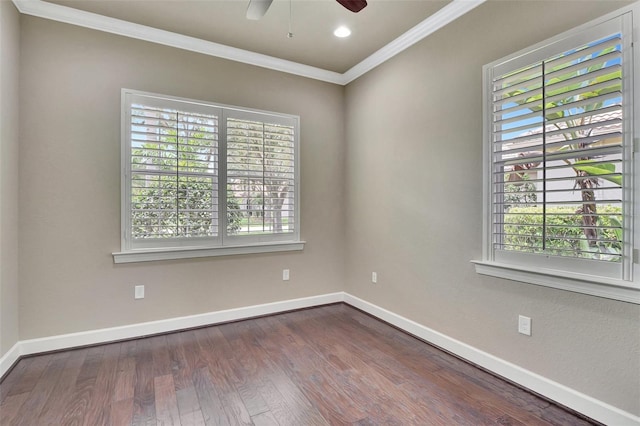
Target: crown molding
94,21
81,18
433,23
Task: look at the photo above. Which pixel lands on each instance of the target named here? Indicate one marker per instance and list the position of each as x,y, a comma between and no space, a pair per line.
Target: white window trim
182,250
617,289
577,283
195,252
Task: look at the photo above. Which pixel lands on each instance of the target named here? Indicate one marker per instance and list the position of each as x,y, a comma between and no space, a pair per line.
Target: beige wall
414,208
9,60
410,209
70,175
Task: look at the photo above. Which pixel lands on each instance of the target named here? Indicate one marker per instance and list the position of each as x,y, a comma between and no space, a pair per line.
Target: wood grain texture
144,409
166,401
82,393
320,366
60,397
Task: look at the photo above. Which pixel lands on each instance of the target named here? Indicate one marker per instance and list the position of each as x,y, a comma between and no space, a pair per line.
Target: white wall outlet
524,325
139,292
285,275
374,277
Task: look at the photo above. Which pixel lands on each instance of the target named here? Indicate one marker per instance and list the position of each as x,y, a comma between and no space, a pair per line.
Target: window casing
198,176
559,141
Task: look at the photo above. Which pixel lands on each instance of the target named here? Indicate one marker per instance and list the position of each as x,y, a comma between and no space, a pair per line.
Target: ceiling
313,22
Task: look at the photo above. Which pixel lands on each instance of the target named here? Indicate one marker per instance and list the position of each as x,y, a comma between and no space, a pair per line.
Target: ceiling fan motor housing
257,8
353,5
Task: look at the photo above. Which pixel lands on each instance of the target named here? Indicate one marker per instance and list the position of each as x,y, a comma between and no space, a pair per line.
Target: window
559,160
202,179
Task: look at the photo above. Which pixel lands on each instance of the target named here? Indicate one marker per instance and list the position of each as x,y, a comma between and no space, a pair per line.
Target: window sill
586,284
148,255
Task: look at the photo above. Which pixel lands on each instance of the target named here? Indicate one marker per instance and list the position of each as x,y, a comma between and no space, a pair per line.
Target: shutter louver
260,177
174,176
557,147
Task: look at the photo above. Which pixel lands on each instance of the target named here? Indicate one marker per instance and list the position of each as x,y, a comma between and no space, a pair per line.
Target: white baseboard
564,395
10,358
92,337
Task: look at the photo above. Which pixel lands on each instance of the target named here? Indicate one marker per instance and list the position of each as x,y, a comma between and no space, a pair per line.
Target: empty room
309,212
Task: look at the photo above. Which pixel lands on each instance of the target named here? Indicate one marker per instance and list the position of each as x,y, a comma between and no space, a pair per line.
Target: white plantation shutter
560,144
177,155
261,175
173,152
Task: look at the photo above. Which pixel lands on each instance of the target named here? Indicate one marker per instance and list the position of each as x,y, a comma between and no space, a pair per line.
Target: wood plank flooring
326,365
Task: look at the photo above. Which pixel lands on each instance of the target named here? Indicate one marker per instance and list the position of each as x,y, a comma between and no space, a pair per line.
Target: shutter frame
507,70
192,166
265,126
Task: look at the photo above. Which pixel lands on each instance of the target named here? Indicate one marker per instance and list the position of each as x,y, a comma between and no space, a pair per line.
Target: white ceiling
220,28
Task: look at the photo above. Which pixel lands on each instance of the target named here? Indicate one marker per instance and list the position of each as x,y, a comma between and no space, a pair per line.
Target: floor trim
92,337
584,404
9,360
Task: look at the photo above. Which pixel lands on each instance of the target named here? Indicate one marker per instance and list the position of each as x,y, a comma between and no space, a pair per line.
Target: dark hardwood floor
326,365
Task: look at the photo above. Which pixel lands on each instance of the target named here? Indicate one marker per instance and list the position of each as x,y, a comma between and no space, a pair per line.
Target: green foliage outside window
565,235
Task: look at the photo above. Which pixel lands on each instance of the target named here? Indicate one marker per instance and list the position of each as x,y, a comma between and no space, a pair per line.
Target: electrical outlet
139,292
285,275
374,277
524,325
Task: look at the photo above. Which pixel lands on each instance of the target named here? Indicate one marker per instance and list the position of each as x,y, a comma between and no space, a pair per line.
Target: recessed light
342,32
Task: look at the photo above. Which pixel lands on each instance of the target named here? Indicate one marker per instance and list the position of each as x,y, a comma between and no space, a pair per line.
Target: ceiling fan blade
353,5
257,9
